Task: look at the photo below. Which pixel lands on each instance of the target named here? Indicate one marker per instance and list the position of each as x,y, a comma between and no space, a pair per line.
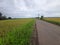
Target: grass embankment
53,20
16,32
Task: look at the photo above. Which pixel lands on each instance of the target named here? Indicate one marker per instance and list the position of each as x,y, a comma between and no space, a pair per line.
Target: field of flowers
53,20
16,31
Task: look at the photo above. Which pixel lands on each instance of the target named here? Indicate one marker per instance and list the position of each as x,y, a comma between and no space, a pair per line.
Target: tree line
4,17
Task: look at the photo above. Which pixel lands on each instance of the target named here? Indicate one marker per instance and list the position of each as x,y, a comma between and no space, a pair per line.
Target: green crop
16,31
53,20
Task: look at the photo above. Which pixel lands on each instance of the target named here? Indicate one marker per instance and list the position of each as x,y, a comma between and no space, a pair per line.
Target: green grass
53,20
16,32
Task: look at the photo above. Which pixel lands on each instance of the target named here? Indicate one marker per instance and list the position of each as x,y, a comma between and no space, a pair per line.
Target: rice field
53,20
16,31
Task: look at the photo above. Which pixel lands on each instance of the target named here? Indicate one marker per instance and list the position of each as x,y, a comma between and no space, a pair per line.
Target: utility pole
38,16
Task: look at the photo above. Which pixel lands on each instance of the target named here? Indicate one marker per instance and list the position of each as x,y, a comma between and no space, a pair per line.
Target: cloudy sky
30,8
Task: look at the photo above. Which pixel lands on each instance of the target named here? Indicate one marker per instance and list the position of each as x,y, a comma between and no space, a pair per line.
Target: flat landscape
29,22
16,31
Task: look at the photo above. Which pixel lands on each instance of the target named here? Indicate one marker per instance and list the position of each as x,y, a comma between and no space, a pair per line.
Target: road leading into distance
48,34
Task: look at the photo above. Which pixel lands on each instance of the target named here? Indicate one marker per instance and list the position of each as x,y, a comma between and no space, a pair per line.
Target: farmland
16,31
53,20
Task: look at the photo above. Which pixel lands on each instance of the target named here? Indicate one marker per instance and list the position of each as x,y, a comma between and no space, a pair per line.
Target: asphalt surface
48,34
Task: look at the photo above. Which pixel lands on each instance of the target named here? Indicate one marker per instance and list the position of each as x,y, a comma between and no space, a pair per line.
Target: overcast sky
30,8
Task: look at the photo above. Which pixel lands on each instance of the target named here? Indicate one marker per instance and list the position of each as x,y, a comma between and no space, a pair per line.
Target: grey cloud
30,8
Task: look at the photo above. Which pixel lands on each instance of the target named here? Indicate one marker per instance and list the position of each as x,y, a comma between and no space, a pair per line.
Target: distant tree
4,17
9,18
0,16
41,17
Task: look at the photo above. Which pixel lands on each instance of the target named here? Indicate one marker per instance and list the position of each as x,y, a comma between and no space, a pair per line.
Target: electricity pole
38,16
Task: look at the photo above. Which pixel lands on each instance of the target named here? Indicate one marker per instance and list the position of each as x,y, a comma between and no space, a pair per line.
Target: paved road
48,34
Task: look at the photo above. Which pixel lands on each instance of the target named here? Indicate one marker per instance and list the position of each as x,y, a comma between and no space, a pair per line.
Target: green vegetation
41,18
16,32
53,20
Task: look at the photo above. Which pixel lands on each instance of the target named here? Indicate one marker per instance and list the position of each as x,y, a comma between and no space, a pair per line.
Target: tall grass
16,32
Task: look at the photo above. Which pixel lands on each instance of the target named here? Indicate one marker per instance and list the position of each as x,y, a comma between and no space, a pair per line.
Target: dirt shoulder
34,40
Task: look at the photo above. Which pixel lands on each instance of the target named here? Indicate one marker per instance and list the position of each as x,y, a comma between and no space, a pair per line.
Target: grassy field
16,31
53,20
